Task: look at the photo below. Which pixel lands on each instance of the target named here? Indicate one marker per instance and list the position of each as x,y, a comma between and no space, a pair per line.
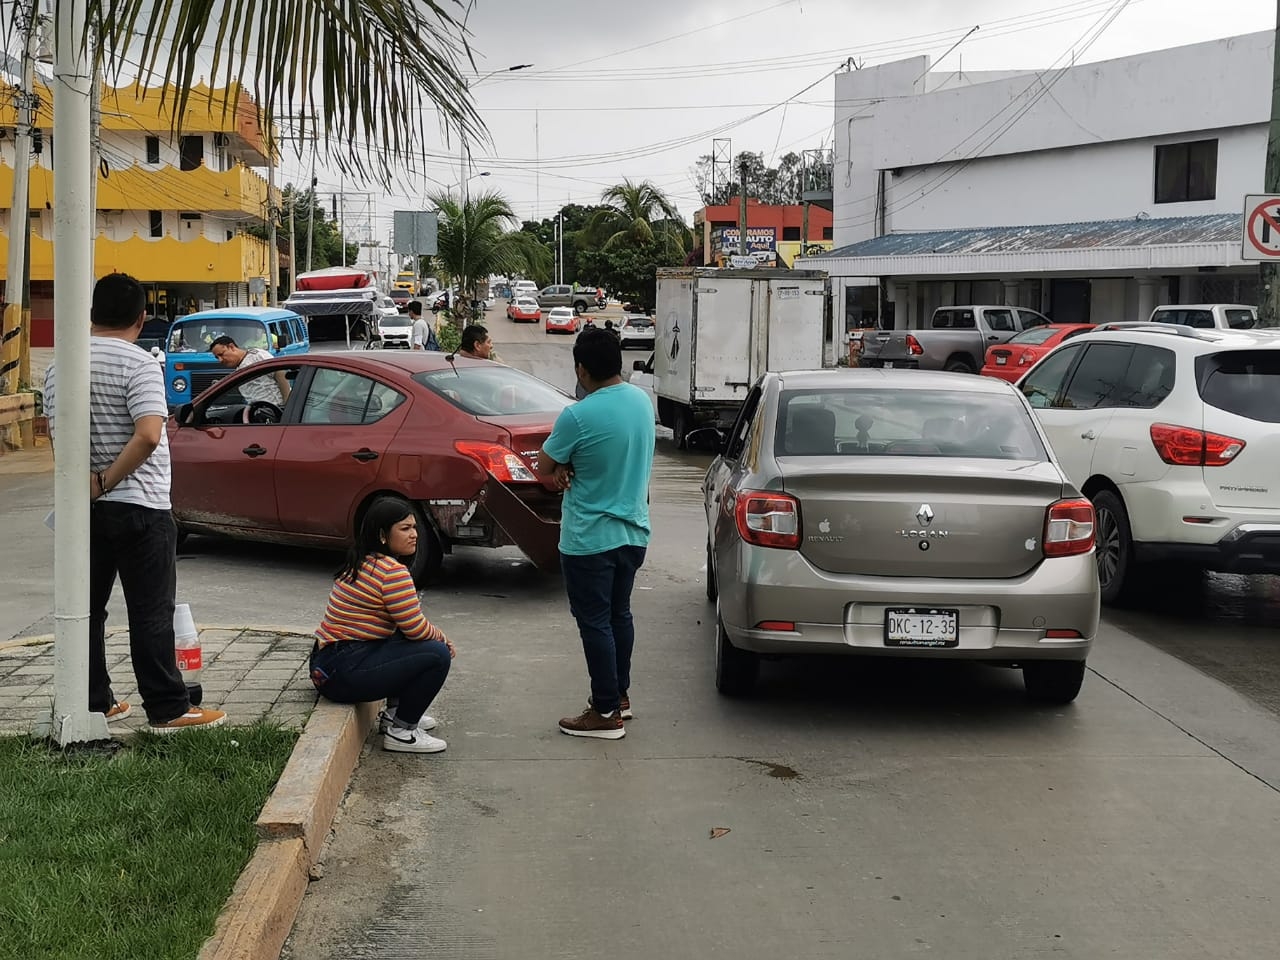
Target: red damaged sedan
456,440
1011,359
524,310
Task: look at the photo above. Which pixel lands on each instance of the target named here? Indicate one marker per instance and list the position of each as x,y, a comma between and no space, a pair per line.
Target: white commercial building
1092,193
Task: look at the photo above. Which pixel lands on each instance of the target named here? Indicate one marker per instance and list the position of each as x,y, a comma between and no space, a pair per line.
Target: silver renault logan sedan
897,513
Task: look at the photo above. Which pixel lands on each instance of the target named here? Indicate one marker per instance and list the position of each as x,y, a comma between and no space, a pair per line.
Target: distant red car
562,320
456,440
1011,359
524,309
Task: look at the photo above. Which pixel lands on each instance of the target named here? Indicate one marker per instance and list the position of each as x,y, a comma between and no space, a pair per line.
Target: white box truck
717,330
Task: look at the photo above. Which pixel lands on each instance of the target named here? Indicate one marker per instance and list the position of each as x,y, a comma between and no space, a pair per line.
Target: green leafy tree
576,216
637,214
630,271
783,184
474,243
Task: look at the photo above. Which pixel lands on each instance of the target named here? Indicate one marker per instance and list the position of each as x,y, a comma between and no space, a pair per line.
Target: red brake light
913,345
1025,359
505,464
769,519
781,626
1069,528
1189,447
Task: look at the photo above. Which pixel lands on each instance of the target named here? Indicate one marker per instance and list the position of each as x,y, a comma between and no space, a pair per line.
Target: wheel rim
1109,546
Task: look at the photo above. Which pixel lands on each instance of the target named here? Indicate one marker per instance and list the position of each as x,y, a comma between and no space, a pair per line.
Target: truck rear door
722,339
794,320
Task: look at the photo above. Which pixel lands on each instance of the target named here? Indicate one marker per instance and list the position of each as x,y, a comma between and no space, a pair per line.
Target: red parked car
1011,359
456,440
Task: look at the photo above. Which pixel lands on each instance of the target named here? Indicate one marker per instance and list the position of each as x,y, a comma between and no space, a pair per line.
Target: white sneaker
399,740
385,722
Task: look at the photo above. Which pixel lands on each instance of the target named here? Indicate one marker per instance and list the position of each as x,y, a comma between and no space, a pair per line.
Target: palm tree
475,242
634,214
364,72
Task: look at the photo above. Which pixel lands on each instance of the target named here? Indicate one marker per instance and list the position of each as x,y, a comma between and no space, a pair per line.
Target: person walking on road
131,530
424,337
375,641
600,453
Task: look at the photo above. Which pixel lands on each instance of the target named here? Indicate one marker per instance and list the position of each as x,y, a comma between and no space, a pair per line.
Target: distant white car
636,332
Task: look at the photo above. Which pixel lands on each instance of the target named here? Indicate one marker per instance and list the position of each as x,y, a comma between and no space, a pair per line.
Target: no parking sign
1261,227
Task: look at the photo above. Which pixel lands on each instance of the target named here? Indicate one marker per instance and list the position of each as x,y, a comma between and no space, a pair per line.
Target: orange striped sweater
380,601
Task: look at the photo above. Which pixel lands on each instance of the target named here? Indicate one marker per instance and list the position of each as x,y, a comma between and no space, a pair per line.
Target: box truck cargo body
718,330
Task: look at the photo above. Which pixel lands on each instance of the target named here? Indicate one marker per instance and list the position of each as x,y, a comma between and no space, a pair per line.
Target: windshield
896,423
194,336
492,389
1033,336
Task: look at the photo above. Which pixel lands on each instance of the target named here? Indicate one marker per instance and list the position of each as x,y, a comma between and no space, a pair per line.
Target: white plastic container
186,645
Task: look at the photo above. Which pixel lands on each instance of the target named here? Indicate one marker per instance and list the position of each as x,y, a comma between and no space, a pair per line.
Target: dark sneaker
385,724
196,718
119,710
400,740
591,724
624,708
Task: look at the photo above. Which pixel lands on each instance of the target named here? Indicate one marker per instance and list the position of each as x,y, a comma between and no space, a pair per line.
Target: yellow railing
238,190
162,261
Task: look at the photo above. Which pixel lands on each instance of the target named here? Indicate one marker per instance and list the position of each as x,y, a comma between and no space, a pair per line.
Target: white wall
1083,153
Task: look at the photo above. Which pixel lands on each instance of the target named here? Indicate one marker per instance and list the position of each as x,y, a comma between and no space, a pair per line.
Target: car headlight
179,385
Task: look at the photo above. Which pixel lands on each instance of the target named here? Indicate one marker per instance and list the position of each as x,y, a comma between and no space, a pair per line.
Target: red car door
336,454
223,468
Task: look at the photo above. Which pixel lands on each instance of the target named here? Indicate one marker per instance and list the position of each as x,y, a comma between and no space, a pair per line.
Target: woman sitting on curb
375,641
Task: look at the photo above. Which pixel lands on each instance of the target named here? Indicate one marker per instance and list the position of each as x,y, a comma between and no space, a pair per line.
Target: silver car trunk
922,517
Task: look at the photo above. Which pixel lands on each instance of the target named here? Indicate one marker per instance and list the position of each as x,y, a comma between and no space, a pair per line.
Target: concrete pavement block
256,920
305,800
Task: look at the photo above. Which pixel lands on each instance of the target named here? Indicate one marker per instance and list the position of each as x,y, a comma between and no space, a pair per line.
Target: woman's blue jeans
356,671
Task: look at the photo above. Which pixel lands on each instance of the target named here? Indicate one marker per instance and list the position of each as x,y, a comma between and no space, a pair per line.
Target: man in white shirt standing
131,529
424,338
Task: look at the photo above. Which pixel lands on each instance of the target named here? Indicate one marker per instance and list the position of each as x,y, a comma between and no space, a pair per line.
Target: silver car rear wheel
1053,681
736,669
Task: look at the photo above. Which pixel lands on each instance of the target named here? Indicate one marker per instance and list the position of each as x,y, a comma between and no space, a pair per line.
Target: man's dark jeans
140,545
356,671
599,587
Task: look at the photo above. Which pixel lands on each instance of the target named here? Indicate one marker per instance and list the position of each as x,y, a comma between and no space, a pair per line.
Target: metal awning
1100,245
332,303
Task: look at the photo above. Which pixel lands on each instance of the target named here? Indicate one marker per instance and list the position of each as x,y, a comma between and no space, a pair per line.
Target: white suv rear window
1243,382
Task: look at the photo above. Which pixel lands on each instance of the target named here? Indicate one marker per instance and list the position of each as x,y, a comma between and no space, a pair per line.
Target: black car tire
736,669
1114,545
680,426
428,559
580,308
1053,681
713,589
959,366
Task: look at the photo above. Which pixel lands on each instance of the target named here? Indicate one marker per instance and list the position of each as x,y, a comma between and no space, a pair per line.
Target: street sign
743,263
1261,227
414,233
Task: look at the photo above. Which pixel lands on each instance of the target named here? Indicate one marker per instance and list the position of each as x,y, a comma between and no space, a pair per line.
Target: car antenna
448,358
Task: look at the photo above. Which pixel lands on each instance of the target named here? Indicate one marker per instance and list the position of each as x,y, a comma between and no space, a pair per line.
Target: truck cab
190,367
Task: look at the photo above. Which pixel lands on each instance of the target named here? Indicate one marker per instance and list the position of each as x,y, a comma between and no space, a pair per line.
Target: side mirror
186,415
706,438
639,365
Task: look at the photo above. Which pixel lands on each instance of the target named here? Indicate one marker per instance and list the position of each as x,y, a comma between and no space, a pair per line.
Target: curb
292,630
292,828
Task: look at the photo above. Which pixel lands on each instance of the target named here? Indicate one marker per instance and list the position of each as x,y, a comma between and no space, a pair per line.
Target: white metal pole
19,210
273,253
342,217
70,720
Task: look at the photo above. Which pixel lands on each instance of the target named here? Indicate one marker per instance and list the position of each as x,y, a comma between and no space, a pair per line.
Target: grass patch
129,856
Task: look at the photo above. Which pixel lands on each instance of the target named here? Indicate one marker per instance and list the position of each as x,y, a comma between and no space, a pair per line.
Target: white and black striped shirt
125,384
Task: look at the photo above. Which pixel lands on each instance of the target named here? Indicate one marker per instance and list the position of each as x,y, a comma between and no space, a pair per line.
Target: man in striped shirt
131,529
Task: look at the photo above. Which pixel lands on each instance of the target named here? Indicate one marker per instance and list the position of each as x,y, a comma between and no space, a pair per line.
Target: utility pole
273,242
311,209
742,206
19,214
561,245
1269,273
293,244
342,217
804,222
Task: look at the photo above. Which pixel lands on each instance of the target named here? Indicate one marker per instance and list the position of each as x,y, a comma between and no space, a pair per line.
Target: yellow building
172,208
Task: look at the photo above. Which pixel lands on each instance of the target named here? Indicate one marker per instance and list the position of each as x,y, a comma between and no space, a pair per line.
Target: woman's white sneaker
385,723
400,740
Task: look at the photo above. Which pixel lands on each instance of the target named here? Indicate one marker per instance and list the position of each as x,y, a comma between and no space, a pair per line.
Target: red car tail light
504,463
769,519
1025,359
1189,447
1069,528
913,345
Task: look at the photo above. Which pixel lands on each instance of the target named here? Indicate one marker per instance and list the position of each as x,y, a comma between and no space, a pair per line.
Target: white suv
1173,433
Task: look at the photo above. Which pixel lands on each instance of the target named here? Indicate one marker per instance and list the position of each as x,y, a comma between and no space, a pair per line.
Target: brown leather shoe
591,724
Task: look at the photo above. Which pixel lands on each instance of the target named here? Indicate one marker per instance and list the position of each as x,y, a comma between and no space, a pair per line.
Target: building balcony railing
165,260
143,187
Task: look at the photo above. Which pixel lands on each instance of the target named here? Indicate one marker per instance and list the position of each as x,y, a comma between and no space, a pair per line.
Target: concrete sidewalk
251,672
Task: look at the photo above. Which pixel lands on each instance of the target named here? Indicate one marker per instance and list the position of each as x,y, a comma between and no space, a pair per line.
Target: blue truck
190,368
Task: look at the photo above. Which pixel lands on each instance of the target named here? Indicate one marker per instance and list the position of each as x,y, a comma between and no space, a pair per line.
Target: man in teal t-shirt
601,453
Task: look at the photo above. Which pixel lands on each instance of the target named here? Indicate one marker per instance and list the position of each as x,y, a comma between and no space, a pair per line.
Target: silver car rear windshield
494,390
905,423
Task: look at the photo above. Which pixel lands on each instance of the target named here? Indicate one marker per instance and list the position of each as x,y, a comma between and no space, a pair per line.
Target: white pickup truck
1208,316
955,339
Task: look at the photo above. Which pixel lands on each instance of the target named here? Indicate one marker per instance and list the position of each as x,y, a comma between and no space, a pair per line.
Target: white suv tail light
1189,447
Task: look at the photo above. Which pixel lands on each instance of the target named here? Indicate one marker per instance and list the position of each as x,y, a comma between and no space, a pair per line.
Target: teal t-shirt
607,437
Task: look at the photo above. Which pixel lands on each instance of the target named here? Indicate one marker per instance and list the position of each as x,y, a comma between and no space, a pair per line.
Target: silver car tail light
1069,528
768,519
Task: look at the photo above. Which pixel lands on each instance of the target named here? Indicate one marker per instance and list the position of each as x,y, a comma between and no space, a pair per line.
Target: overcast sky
639,89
